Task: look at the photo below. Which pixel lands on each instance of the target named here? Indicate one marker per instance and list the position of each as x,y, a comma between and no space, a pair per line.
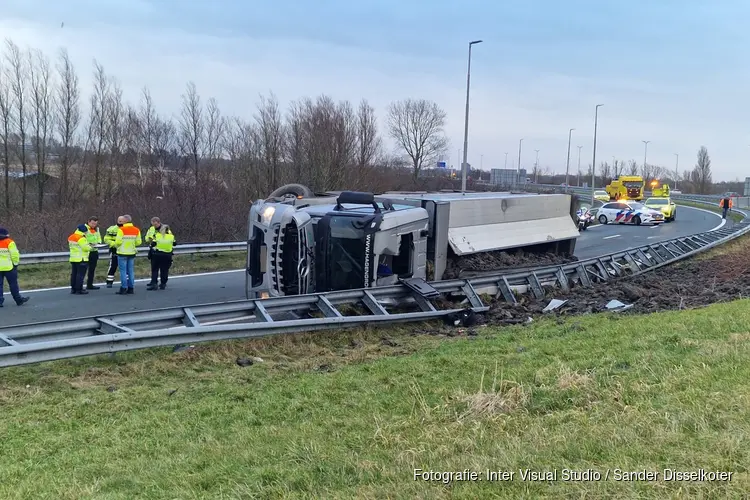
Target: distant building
507,176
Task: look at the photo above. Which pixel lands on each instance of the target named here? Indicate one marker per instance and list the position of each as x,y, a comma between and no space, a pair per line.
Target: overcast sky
672,72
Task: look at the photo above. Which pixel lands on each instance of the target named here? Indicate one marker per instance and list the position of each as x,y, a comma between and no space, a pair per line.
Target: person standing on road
9,259
109,239
127,240
94,237
726,204
79,259
161,242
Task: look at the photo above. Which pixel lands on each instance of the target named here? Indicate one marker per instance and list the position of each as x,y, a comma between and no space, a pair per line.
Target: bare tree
701,174
98,125
215,125
6,126
67,119
617,166
18,85
271,133
192,128
41,104
646,172
417,127
632,167
114,139
369,143
606,171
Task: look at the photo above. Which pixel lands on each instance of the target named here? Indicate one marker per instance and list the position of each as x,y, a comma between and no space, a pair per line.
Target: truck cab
300,246
626,187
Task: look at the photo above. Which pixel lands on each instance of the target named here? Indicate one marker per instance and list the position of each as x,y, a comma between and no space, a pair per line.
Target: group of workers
121,239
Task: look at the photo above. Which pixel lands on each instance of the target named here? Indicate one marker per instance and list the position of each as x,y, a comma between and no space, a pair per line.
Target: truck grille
276,253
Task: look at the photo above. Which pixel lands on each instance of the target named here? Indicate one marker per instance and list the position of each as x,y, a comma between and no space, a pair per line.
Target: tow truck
302,242
626,187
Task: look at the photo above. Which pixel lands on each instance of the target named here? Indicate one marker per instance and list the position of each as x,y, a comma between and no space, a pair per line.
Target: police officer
9,259
109,239
94,238
160,239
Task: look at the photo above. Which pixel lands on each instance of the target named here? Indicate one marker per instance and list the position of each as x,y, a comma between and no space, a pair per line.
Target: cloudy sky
671,72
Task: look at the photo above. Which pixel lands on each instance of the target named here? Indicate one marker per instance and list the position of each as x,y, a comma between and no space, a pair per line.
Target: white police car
628,212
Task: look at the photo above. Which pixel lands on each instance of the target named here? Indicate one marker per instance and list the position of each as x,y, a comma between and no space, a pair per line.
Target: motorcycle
585,218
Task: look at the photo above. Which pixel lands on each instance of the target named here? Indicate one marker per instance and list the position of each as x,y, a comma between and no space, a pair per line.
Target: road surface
57,304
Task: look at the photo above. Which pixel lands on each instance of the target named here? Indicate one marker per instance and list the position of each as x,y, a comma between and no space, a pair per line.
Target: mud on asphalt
685,285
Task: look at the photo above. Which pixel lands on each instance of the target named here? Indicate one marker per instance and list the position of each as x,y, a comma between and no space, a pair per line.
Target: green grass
732,215
34,276
347,415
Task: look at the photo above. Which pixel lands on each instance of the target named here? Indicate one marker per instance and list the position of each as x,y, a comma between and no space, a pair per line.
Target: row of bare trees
66,153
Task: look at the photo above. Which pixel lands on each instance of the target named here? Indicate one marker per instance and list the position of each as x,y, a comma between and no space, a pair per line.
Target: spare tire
293,190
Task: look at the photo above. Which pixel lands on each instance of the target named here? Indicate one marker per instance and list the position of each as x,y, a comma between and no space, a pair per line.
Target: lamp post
593,159
676,168
506,161
579,166
536,167
518,168
567,163
645,151
466,120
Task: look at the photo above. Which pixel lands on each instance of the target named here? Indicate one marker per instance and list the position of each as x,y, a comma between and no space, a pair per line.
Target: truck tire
292,189
602,219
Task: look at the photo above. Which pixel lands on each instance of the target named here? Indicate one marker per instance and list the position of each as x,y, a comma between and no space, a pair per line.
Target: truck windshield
632,184
346,253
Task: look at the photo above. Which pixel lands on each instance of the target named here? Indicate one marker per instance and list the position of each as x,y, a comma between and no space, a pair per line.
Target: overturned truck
301,242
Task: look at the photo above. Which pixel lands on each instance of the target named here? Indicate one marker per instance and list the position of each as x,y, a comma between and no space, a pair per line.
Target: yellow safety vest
9,255
94,238
164,242
110,235
79,247
127,240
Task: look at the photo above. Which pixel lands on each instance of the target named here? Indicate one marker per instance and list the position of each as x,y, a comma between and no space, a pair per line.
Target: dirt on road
690,284
462,267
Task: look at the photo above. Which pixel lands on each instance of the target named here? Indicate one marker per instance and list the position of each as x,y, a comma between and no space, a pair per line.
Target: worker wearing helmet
79,259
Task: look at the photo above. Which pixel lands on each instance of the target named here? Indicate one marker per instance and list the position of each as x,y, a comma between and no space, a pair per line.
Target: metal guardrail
186,249
38,342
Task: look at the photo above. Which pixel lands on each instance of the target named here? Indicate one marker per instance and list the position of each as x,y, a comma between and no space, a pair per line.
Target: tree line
65,156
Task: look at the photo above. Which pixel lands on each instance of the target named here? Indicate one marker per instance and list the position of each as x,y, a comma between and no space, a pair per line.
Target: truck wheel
602,219
292,189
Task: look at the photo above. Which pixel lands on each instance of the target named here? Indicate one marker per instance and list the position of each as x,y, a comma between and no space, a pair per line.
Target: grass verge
711,208
351,414
34,276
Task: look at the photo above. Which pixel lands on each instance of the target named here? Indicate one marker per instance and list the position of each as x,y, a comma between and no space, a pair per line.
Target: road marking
723,221
117,282
613,236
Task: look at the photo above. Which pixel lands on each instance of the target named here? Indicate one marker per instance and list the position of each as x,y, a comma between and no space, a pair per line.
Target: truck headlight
267,215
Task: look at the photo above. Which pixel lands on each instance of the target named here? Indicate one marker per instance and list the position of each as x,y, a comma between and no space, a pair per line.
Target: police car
628,212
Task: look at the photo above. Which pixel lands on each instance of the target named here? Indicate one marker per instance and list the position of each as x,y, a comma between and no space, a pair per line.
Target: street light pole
676,169
579,166
567,163
506,161
593,159
645,151
536,167
466,120
518,168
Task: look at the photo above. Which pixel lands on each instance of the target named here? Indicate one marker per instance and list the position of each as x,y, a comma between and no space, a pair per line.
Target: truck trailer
300,242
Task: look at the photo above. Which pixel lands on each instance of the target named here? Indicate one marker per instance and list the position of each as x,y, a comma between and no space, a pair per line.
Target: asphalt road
601,240
57,304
